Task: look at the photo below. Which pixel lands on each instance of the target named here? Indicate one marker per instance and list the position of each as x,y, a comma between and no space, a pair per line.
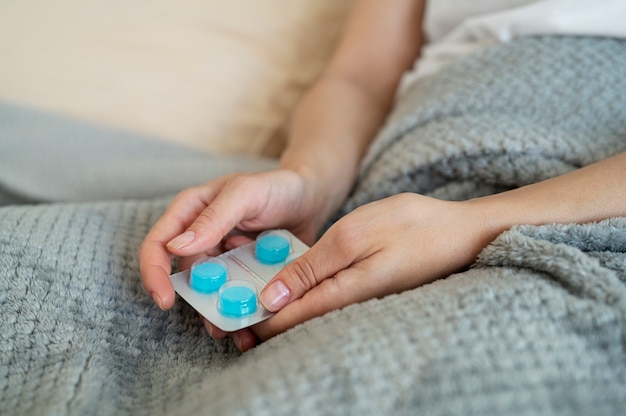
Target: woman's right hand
199,219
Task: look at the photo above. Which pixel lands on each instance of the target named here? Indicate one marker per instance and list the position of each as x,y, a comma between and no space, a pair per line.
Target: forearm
340,115
330,131
592,193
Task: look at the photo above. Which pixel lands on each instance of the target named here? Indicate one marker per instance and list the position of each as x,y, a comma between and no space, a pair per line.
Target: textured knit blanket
536,326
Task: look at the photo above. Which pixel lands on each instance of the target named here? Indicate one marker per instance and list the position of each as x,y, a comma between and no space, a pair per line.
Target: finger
185,263
185,208
335,251
154,258
155,267
244,339
349,286
213,331
233,204
236,241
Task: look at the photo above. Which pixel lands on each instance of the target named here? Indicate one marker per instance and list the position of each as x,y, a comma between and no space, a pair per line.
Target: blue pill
237,301
272,249
207,277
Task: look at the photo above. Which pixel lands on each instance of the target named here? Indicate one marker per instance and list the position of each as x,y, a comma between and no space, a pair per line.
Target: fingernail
275,296
158,301
182,240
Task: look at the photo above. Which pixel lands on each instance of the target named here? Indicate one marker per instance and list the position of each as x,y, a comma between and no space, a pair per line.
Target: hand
408,240
383,247
199,219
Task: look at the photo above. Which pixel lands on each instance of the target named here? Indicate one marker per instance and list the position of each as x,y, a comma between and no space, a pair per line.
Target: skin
361,256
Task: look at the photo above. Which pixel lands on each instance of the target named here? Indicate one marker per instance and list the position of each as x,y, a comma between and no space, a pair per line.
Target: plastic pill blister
225,289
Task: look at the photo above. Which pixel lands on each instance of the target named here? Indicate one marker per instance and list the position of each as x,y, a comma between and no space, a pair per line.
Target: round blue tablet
237,301
207,277
272,249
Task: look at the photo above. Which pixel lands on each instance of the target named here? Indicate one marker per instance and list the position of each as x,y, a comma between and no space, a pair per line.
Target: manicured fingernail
275,296
158,301
182,240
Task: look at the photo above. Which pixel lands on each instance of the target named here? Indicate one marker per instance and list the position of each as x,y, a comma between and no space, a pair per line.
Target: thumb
323,260
224,211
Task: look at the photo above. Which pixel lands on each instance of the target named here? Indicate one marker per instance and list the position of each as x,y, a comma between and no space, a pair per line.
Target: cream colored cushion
216,75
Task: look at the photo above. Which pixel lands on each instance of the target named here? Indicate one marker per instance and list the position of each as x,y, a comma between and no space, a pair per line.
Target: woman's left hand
381,248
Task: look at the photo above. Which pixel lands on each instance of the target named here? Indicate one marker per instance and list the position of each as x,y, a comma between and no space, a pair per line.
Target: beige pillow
215,75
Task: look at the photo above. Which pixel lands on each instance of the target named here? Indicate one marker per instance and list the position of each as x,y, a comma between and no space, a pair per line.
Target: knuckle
302,274
207,219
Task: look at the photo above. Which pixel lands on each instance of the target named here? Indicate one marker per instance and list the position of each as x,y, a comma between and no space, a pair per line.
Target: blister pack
225,289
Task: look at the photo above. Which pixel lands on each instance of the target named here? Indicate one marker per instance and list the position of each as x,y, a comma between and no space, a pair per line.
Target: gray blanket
536,326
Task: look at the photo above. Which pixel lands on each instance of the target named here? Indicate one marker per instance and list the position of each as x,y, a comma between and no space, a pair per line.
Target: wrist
324,197
592,193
